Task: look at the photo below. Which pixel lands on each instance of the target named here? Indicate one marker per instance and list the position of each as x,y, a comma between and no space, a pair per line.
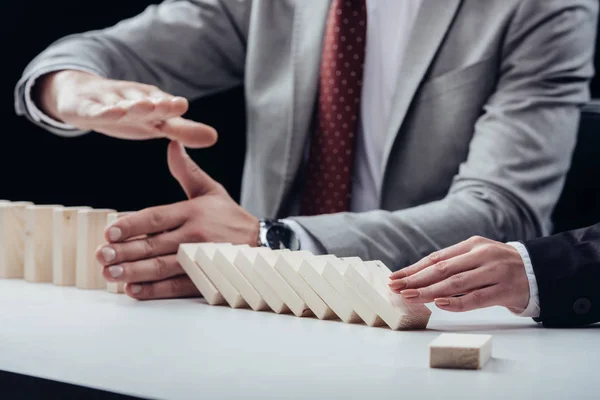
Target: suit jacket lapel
307,38
433,21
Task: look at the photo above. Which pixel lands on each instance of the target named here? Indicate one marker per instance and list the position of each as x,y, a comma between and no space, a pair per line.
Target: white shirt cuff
306,241
37,114
533,307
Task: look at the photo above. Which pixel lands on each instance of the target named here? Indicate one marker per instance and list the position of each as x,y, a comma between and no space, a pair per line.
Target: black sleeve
567,270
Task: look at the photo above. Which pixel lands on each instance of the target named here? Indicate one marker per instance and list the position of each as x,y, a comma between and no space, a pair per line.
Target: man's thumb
190,176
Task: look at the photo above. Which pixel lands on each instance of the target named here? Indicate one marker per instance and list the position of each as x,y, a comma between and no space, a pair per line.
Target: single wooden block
12,239
368,280
312,272
244,261
204,258
90,236
460,351
264,264
334,273
38,242
115,287
288,265
186,258
224,260
64,253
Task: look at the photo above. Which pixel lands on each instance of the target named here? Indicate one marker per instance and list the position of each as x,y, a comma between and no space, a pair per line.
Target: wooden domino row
54,244
299,283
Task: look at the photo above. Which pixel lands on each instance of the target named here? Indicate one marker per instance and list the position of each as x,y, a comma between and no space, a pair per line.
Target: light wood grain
64,254
90,236
460,351
12,239
38,242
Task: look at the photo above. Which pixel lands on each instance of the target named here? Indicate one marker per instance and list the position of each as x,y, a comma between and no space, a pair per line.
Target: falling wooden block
312,271
264,264
115,287
38,245
244,261
64,253
90,236
12,239
460,351
186,258
369,279
204,258
224,261
334,273
288,265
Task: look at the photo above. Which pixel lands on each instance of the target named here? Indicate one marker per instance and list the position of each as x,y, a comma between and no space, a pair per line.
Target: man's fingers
176,287
152,269
485,297
437,272
191,134
433,258
460,283
146,222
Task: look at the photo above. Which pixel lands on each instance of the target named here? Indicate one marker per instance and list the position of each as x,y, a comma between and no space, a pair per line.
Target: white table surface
185,349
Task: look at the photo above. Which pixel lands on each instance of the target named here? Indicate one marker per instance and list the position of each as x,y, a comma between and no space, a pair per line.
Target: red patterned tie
328,176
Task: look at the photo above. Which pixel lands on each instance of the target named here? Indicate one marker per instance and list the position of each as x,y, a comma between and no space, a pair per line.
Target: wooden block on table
186,258
460,351
334,273
264,264
368,279
312,271
288,266
12,239
90,236
244,261
37,266
204,258
64,252
115,287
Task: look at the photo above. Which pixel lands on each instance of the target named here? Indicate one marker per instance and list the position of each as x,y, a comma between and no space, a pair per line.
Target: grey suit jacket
484,118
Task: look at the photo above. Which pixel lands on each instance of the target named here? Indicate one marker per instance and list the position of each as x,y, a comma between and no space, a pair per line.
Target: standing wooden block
186,254
312,272
264,264
368,279
90,236
12,239
288,265
460,351
115,287
245,263
334,274
64,253
38,242
204,258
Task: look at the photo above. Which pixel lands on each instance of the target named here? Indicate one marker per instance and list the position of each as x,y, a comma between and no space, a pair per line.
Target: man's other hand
122,109
142,246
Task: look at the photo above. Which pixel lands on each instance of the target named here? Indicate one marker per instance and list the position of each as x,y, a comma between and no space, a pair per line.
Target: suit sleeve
567,269
518,156
188,48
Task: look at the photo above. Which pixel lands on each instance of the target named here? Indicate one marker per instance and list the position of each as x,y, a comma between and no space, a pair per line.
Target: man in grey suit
382,129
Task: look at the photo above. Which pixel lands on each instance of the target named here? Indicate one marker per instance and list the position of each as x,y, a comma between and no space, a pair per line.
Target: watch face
281,237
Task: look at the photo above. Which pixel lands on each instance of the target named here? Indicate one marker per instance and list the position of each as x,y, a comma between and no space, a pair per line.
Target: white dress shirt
389,25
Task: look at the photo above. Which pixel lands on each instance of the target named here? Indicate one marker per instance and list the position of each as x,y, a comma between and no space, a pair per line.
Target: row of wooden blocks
54,244
300,283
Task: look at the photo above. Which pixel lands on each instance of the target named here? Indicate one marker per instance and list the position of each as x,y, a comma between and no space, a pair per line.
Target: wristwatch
277,235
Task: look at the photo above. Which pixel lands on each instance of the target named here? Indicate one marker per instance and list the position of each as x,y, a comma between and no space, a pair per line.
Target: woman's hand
481,272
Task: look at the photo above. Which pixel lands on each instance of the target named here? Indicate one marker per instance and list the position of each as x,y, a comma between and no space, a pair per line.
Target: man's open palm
122,109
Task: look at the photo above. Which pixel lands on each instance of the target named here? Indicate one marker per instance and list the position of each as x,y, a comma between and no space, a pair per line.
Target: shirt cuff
38,115
306,240
533,307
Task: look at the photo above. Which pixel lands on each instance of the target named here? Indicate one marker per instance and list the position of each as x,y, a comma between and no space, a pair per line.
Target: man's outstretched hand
122,109
148,264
